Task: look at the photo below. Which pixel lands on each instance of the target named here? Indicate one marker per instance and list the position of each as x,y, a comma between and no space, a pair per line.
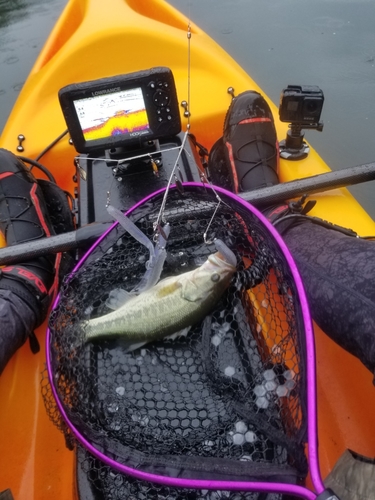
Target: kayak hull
89,42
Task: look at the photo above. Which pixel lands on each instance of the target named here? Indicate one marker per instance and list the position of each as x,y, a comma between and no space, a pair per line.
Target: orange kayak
93,40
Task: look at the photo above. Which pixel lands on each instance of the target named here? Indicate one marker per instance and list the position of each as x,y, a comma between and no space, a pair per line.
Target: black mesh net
226,401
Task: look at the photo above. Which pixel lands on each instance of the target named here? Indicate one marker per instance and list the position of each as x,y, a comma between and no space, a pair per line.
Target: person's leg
338,273
247,155
17,321
26,289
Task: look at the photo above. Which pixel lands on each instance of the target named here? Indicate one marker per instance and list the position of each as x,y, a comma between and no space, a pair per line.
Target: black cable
51,145
35,163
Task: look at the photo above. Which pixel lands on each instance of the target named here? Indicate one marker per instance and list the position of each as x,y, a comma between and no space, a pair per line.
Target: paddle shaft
316,184
82,237
259,198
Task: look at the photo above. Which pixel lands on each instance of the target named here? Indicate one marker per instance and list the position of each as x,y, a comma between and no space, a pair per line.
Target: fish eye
215,277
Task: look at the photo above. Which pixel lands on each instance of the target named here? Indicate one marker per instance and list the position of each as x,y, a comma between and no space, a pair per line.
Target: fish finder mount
127,128
301,107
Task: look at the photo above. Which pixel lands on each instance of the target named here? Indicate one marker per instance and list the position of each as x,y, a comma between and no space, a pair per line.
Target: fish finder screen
122,111
113,114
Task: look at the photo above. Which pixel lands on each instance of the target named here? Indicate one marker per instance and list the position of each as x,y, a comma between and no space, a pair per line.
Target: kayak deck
89,42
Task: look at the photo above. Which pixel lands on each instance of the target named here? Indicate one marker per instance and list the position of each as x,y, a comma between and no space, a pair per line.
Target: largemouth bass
173,304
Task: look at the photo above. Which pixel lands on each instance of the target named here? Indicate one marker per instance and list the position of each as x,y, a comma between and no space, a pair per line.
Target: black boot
247,155
26,289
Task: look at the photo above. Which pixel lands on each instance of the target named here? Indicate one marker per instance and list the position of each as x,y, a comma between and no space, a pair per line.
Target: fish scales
173,304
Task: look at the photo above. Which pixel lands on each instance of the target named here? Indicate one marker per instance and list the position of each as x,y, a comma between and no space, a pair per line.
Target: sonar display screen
113,114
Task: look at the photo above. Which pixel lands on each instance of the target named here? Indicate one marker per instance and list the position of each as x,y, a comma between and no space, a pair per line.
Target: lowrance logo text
106,91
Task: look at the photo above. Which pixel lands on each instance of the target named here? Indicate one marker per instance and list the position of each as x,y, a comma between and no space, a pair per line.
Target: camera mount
301,107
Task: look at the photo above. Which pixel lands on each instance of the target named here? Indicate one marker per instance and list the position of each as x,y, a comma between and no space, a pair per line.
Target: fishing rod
279,193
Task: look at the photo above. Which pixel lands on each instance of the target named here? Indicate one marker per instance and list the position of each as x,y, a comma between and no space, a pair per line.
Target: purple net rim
311,383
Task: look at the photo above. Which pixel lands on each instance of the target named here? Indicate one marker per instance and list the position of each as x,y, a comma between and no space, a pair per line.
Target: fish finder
123,111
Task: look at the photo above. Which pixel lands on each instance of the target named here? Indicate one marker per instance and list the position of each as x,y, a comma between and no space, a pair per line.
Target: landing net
211,414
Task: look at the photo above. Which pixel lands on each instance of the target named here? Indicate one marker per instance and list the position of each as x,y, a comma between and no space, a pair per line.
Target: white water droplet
262,402
282,391
229,371
250,437
240,427
269,375
289,374
216,340
290,384
238,439
259,390
270,386
112,408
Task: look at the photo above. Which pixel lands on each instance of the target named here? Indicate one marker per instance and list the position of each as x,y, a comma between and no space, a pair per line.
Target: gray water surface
329,43
24,27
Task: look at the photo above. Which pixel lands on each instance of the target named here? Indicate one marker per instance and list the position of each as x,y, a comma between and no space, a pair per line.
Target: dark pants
17,322
338,273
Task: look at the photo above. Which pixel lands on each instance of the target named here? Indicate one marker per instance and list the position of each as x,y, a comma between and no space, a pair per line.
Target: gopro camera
302,105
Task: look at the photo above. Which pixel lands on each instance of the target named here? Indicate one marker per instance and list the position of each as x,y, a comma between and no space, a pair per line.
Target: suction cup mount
294,147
